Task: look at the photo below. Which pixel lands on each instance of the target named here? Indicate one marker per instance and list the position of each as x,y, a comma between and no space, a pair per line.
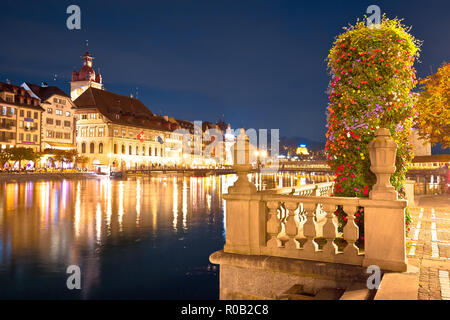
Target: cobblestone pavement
429,249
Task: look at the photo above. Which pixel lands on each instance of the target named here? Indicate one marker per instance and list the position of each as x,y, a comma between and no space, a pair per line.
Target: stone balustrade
318,189
301,223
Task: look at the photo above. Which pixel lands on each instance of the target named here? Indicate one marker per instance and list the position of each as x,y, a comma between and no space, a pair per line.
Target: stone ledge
297,267
399,286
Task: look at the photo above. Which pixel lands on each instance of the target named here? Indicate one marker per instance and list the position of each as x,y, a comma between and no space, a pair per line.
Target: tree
372,80
5,156
20,153
80,160
63,156
433,107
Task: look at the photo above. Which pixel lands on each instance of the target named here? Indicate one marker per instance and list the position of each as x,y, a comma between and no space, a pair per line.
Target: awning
60,145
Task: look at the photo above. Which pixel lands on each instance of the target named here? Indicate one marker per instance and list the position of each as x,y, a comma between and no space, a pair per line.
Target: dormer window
117,116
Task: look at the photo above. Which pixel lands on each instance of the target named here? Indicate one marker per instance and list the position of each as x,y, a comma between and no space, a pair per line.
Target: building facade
21,115
116,132
58,117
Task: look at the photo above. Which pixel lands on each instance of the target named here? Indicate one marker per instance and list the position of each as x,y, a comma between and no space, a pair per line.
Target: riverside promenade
429,246
32,176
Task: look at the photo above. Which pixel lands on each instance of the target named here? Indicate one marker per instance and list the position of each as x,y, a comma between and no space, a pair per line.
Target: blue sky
258,64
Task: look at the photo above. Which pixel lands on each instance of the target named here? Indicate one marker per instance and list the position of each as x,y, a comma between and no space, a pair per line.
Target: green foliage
21,153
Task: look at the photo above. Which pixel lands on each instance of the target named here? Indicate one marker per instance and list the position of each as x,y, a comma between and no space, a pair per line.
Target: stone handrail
290,225
315,189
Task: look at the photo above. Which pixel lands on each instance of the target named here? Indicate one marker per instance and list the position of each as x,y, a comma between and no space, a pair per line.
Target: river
139,238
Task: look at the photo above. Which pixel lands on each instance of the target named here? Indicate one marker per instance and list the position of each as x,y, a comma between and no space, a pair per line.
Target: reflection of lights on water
98,222
184,204
29,194
208,202
138,201
121,211
76,221
109,206
64,192
175,203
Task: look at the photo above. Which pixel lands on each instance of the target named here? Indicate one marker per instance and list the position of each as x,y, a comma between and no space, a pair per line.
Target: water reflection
137,238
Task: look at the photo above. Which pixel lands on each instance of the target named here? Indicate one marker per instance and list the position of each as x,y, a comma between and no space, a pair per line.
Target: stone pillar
382,152
384,214
245,212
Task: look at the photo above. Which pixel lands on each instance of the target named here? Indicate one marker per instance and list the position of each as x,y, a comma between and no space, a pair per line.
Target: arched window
137,150
129,150
149,151
143,151
156,152
92,147
100,148
161,152
115,148
83,147
123,149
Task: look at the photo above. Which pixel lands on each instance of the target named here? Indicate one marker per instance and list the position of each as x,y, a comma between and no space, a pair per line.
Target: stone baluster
351,231
310,228
291,227
273,225
330,230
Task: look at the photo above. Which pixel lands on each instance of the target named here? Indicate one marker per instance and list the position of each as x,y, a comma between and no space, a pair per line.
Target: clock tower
85,78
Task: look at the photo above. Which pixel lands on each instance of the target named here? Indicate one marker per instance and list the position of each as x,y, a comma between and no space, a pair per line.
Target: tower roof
86,72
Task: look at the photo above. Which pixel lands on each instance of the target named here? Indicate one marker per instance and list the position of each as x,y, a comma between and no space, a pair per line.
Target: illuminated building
20,118
58,120
118,132
302,150
85,78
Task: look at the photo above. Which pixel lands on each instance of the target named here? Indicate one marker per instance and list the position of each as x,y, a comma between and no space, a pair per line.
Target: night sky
258,64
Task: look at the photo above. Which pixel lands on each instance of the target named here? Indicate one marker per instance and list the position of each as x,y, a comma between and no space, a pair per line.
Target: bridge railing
304,226
315,189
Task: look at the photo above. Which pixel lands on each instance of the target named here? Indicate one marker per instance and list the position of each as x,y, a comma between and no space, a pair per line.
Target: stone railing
317,189
301,225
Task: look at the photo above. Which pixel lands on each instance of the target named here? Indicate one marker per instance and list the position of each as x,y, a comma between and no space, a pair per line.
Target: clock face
78,90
